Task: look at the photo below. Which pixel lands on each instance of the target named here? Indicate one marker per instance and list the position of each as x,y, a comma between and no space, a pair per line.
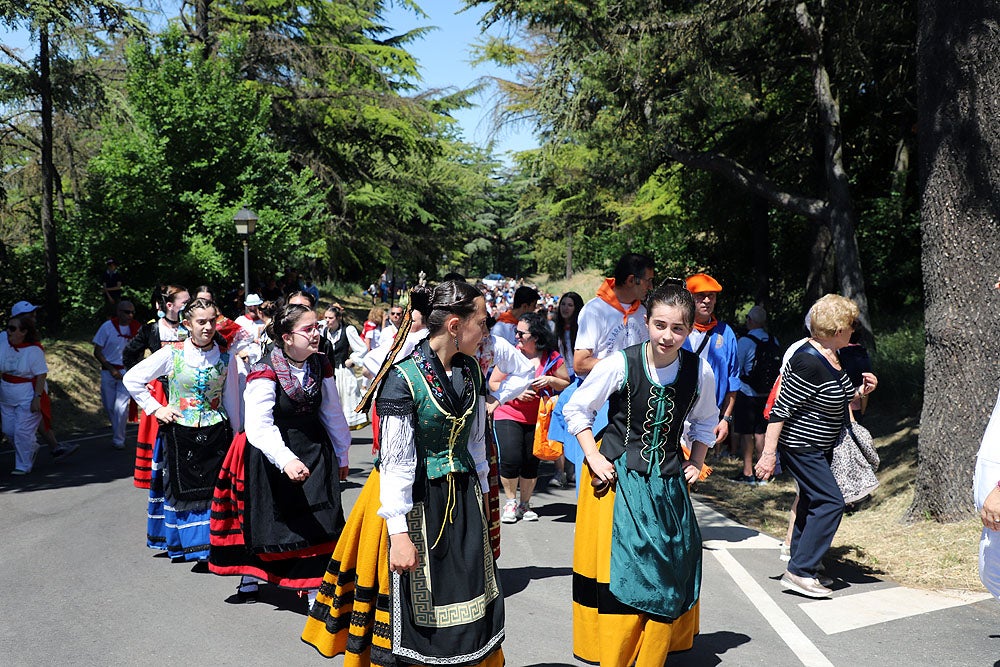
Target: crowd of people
245,428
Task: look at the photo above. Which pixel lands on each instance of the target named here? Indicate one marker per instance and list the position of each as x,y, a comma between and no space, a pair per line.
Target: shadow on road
558,512
94,463
708,649
516,579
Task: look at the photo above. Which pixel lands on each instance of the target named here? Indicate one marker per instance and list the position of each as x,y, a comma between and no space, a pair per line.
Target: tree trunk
53,318
958,75
821,269
761,240
569,252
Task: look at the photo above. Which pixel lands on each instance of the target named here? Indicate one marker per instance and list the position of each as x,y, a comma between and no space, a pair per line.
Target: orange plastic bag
543,448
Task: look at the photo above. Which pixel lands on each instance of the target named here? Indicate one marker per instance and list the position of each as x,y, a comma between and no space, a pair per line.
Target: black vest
645,420
337,352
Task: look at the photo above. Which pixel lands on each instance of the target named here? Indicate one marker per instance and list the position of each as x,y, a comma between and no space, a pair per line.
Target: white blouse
259,399
25,362
607,377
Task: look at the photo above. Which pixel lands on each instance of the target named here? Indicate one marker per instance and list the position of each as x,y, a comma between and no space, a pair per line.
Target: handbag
543,448
855,462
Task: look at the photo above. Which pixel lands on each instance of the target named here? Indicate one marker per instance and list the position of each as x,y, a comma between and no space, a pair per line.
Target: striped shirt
811,403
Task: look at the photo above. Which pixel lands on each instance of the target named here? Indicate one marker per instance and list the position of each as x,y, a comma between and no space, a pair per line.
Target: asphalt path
78,586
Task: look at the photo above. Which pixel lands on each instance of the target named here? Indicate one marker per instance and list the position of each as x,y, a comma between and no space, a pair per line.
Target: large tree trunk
48,178
958,68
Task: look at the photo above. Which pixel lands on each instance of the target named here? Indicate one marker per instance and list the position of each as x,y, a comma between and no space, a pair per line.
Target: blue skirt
180,527
558,432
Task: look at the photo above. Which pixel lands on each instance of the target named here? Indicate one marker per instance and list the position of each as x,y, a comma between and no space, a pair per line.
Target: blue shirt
746,352
720,353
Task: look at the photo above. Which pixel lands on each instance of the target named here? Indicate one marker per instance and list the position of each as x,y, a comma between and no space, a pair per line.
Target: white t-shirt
506,331
605,330
112,341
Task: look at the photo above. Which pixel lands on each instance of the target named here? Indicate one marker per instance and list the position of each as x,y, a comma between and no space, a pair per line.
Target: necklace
209,344
172,322
294,362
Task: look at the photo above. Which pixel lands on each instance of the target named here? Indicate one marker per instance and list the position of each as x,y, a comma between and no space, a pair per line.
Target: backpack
766,365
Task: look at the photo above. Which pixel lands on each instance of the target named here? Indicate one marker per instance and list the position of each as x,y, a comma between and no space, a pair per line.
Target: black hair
28,324
672,292
199,303
452,297
204,288
284,321
168,293
632,264
282,300
574,320
525,295
453,275
538,327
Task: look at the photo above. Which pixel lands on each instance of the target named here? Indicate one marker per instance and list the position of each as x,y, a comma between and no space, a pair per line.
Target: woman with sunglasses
152,336
343,346
277,509
514,421
23,369
196,428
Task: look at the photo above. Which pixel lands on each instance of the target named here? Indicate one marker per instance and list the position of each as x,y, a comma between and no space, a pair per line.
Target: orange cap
702,282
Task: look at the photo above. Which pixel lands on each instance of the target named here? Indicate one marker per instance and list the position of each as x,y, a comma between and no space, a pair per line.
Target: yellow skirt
351,616
621,638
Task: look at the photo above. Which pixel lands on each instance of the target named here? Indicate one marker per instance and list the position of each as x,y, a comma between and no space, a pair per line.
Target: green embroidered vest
442,437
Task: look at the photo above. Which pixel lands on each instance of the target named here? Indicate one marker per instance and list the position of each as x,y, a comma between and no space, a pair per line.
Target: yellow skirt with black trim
605,631
351,616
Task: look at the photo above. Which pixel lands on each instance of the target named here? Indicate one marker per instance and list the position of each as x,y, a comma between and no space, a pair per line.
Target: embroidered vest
442,436
197,392
646,419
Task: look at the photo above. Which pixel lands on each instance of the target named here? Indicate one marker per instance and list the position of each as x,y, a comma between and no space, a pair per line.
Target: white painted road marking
860,610
801,646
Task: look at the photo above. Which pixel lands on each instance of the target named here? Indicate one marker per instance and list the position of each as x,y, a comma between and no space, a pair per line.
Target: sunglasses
396,313
13,327
522,334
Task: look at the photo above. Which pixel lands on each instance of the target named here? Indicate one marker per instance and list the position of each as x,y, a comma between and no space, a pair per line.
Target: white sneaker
509,513
526,513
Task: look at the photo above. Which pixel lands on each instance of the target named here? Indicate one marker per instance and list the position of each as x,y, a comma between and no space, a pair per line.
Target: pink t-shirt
526,412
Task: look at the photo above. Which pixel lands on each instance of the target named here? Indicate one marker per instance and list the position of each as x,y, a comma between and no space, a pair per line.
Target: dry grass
74,386
879,539
584,283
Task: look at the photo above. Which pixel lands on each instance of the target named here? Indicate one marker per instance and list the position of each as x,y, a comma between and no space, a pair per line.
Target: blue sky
444,56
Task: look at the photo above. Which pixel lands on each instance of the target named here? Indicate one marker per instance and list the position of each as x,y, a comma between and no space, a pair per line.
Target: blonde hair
830,314
376,314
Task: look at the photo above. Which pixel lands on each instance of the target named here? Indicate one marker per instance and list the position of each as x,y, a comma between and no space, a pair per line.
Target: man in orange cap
715,342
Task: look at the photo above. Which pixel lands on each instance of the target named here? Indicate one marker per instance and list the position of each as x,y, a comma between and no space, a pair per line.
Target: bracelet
773,454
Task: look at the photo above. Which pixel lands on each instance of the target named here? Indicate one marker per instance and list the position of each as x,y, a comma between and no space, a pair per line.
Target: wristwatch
728,419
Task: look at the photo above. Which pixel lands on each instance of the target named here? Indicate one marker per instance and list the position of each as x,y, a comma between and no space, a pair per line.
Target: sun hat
22,307
253,300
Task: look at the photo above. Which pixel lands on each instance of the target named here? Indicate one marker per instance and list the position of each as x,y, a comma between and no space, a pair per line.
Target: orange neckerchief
606,293
706,327
507,318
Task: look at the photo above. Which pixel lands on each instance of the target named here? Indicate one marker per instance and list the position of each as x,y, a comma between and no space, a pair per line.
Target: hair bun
420,300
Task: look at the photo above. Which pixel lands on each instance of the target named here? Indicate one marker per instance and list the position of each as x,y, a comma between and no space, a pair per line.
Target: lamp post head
246,222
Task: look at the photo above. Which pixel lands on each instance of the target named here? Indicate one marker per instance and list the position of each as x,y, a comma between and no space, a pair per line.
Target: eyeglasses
307,331
521,334
13,327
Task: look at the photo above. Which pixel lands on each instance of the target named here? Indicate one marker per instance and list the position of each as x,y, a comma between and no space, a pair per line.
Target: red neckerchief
21,346
507,318
606,293
706,327
133,328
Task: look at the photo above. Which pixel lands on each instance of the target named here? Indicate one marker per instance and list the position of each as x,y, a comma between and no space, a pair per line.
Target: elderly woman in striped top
805,423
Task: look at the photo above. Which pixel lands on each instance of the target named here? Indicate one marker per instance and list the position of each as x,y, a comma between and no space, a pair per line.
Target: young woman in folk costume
343,346
277,513
392,594
196,429
152,336
637,550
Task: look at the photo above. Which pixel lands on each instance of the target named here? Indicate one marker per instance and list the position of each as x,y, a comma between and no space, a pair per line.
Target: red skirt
148,430
229,555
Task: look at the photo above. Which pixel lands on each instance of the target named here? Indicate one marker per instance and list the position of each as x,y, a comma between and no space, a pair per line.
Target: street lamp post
246,222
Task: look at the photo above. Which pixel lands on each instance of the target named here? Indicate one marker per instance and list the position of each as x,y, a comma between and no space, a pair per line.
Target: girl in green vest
391,595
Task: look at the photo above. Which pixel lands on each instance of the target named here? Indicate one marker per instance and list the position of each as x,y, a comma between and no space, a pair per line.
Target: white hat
22,307
252,300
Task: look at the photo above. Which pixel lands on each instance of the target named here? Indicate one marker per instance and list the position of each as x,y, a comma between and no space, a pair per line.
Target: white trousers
115,398
20,424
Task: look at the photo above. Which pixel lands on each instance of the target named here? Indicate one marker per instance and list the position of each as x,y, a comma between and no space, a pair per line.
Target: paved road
78,586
